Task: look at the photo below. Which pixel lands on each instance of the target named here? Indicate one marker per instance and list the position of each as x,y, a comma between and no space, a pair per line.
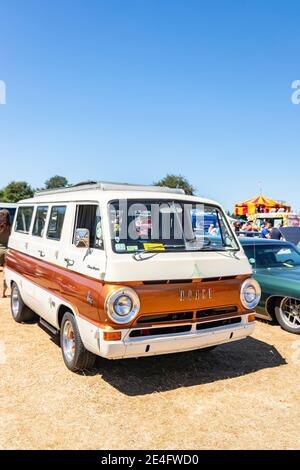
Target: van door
83,261
37,241
86,257
20,241
48,230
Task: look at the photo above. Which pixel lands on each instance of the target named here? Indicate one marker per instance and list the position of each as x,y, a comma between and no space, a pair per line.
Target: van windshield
168,225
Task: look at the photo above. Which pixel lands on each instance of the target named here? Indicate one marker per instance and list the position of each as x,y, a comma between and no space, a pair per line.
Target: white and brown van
126,271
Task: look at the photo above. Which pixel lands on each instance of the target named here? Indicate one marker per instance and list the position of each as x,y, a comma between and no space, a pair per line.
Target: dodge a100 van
126,271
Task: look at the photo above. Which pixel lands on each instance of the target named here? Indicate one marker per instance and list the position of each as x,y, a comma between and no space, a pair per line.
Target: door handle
69,262
42,253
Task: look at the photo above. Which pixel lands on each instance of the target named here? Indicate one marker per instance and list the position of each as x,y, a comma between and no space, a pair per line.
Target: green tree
15,191
230,214
176,181
56,182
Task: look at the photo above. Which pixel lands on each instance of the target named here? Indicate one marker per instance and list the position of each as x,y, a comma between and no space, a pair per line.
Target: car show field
243,395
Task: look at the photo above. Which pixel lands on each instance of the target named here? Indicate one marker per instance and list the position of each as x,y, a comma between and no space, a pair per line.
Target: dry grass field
244,395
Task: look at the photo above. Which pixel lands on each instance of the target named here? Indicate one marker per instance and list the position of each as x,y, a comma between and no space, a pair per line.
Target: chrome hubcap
68,341
291,312
15,302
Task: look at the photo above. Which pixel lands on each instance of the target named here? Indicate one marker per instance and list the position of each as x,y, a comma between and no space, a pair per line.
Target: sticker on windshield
154,246
132,248
120,247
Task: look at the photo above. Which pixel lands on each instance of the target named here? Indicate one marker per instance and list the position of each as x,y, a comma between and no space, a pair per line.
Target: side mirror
82,238
252,261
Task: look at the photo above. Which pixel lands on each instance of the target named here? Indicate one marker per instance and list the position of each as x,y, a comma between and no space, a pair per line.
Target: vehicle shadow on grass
146,375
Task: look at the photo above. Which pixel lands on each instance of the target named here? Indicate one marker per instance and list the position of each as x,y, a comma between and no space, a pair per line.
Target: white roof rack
108,186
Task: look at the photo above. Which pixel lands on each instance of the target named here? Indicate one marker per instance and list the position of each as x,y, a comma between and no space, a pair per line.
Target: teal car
276,266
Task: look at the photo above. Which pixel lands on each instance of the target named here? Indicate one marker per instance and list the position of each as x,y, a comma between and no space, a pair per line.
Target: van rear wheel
75,356
20,312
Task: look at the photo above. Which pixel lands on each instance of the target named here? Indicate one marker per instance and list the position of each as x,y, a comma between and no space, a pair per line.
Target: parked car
252,234
77,259
291,234
276,266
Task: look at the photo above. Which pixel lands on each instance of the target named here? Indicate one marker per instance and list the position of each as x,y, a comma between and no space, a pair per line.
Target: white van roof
90,191
7,205
109,186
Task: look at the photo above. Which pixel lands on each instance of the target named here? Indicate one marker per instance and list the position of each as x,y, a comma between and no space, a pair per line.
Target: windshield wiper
137,256
174,246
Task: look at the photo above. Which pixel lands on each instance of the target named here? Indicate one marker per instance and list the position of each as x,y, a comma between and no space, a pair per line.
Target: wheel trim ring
15,302
69,347
286,314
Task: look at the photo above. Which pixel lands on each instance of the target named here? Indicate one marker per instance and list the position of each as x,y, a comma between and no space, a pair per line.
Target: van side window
56,222
23,220
88,217
40,220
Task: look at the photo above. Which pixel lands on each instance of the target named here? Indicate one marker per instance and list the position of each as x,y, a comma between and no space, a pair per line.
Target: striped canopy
257,204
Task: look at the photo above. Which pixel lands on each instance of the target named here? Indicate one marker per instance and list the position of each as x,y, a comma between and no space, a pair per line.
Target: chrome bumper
154,345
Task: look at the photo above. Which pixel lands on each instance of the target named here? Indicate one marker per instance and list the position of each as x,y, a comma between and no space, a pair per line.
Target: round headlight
250,293
122,305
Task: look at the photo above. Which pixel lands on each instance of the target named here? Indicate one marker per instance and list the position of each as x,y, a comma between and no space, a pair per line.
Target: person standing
247,227
5,227
276,234
266,231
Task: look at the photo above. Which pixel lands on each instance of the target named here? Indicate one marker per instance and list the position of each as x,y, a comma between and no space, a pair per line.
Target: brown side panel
30,268
82,292
87,295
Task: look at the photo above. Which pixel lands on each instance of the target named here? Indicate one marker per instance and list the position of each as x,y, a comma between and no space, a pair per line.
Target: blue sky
131,90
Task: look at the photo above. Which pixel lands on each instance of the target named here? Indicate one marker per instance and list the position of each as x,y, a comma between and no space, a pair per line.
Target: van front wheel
20,312
75,356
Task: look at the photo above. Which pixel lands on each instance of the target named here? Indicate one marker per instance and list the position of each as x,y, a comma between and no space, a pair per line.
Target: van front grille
165,318
218,323
169,330
213,312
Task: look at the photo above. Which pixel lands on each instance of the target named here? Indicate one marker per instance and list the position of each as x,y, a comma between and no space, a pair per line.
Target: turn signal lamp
251,318
112,335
